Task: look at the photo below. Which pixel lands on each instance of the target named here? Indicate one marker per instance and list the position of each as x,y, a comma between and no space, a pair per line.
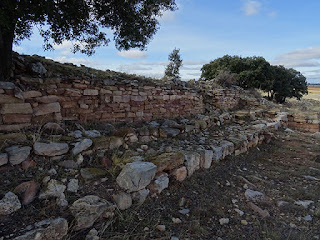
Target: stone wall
310,123
34,101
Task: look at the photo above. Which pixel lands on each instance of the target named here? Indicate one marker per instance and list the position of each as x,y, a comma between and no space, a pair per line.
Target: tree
84,22
172,70
288,83
255,72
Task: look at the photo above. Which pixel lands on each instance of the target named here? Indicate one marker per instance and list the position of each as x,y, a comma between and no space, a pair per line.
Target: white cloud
65,48
135,54
167,16
76,61
251,8
308,57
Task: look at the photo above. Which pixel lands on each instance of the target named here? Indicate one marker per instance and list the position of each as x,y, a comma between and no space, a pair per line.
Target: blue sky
284,32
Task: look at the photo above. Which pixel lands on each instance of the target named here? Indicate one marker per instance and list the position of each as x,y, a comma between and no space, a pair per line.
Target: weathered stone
263,213
90,208
28,191
206,157
48,229
9,203
31,94
90,92
171,132
38,68
227,148
123,200
46,108
180,174
192,162
50,149
140,196
136,176
54,189
82,146
92,173
168,161
3,158
73,185
160,183
16,118
69,164
18,154
92,133
20,108
254,196
9,99
7,85
48,99
217,153
92,235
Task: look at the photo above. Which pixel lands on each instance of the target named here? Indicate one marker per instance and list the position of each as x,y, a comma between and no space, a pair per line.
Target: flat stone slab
136,176
18,154
50,149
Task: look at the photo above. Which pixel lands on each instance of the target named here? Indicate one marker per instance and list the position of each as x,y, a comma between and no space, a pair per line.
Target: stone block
136,176
31,94
22,108
90,92
4,98
44,109
16,118
192,162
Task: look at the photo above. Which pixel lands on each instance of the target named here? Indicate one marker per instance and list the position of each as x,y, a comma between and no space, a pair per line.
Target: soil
281,170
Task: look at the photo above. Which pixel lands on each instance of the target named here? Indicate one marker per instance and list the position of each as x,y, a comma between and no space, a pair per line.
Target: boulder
18,154
9,203
50,149
90,208
81,146
136,175
48,229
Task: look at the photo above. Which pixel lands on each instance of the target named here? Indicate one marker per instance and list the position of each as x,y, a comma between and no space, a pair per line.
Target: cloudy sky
284,32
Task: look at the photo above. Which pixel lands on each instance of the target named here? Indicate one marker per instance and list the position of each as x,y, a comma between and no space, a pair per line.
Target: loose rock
9,203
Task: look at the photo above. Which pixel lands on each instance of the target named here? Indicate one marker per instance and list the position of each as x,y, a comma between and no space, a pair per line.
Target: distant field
314,93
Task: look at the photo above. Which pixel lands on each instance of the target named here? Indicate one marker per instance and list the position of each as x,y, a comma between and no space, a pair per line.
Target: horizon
283,33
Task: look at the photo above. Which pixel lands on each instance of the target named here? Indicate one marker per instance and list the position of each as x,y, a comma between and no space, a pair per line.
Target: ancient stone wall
55,100
308,123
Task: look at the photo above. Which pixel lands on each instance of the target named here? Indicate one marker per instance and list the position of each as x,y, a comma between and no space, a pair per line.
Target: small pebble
161,228
144,147
244,222
224,221
176,220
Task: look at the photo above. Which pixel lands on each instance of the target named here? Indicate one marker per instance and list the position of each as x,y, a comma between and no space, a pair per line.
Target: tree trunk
6,41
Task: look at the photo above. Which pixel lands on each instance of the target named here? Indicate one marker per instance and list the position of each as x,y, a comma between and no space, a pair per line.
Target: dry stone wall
82,100
310,123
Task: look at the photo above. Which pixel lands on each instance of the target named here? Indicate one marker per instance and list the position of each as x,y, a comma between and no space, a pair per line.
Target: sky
284,32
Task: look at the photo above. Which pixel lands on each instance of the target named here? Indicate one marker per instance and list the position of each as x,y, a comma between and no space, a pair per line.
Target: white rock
224,221
192,161
81,146
50,149
53,189
9,203
254,196
140,196
136,176
305,203
160,183
18,154
73,185
206,157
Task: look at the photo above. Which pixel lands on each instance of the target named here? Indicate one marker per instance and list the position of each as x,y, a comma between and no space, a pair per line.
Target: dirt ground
286,170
